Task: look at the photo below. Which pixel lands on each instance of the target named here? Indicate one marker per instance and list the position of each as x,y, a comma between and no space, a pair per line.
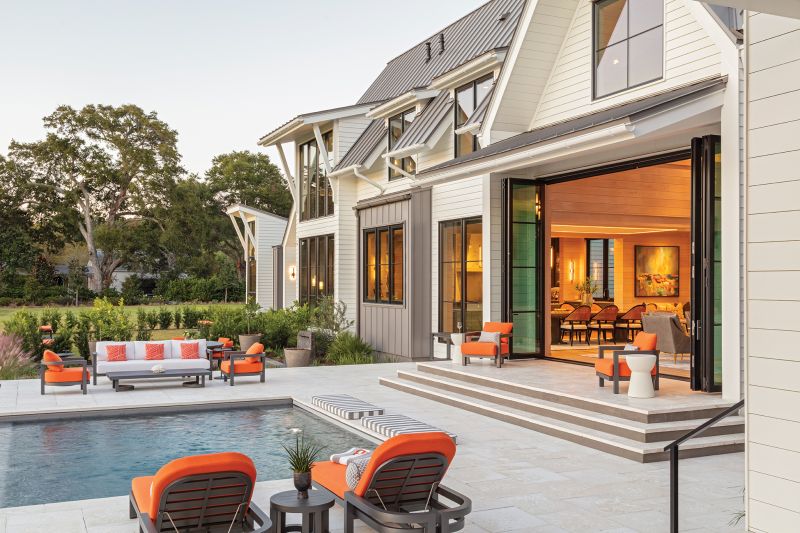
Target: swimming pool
45,462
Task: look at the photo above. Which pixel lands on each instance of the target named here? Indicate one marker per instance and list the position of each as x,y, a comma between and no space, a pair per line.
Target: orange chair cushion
67,375
241,366
413,444
195,465
482,349
49,356
256,348
331,476
190,350
116,353
153,351
504,328
46,328
606,366
645,341
48,342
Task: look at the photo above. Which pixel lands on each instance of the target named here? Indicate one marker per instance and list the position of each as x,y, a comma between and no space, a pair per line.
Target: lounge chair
249,363
616,369
55,371
199,493
400,489
218,354
672,338
499,350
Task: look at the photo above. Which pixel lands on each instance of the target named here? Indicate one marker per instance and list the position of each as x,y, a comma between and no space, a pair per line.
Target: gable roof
364,145
489,27
422,129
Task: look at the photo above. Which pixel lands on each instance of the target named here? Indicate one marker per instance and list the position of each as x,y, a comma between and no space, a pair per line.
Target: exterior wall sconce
538,207
292,273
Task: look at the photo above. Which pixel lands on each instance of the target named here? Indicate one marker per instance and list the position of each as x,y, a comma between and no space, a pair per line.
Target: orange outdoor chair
53,371
616,369
249,363
218,354
498,350
199,493
400,488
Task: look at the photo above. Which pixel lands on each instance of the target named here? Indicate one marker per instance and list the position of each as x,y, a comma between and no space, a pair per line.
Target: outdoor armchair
249,363
400,489
59,372
616,369
472,347
199,493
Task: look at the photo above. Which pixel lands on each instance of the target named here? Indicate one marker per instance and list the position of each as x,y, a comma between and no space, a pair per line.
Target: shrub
110,322
80,333
349,349
15,361
132,291
164,318
328,319
191,315
178,318
24,325
51,317
143,332
152,319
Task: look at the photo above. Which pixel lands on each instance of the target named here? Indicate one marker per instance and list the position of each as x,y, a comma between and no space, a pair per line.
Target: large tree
110,167
249,178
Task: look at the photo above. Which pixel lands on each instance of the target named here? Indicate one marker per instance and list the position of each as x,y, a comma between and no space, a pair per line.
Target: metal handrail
674,447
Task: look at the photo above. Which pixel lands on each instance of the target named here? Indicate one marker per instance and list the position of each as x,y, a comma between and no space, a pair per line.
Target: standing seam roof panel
364,145
423,127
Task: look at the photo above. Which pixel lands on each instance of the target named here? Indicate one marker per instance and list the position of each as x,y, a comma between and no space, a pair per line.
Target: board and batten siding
401,329
773,272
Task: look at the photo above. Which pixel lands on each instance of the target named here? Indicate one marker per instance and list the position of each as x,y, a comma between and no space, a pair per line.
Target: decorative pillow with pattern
489,336
190,350
355,469
116,353
631,348
154,351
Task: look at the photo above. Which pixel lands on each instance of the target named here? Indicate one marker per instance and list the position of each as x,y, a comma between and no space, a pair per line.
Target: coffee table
314,511
199,375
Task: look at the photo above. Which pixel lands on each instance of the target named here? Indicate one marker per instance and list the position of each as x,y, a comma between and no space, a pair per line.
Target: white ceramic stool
641,384
457,339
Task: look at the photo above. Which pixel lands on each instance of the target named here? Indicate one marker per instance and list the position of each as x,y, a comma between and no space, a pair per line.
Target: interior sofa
135,354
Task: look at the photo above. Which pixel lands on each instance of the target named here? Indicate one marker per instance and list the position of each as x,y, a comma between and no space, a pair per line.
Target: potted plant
299,350
301,460
249,316
586,289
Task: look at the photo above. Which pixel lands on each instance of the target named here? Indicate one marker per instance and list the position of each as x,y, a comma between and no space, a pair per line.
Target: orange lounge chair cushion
483,349
256,348
606,366
67,375
331,476
241,367
49,356
645,341
149,488
503,328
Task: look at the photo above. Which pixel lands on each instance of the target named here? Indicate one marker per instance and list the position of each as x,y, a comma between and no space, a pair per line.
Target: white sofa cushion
176,348
104,367
103,356
139,349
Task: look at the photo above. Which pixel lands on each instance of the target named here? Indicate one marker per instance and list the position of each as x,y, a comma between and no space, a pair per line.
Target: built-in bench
346,406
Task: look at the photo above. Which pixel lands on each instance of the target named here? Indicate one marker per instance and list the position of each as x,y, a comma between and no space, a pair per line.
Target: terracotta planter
296,357
302,482
246,341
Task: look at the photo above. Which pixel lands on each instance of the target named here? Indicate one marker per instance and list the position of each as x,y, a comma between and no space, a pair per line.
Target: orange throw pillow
256,348
153,351
50,356
190,350
116,353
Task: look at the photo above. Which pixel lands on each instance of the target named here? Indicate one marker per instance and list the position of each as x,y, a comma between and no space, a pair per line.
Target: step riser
606,447
678,416
628,433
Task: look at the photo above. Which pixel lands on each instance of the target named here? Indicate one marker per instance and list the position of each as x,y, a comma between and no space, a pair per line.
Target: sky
221,73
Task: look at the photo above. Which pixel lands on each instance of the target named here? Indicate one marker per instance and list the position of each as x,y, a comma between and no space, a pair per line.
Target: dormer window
628,44
398,124
467,99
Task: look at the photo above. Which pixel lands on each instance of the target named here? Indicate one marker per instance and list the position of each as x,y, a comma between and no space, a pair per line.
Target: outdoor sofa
135,357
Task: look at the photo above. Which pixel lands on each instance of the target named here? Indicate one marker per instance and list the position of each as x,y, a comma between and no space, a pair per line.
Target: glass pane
322,261
451,241
304,198
474,243
482,88
451,282
524,202
303,274
395,129
645,15
312,269
596,264
525,212
523,289
449,318
383,269
409,165
524,245
329,289
717,265
646,53
408,118
397,265
465,144
371,258
312,180
612,22
611,73
526,336
610,267
465,104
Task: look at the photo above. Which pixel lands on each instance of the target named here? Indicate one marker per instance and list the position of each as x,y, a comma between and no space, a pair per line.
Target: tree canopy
251,179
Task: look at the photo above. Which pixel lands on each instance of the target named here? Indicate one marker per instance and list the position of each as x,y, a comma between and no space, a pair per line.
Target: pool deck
518,479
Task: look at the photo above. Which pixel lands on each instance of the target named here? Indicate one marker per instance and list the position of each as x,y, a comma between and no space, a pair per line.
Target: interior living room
620,245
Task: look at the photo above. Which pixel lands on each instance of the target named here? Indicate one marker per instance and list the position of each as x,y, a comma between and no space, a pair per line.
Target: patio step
620,410
569,424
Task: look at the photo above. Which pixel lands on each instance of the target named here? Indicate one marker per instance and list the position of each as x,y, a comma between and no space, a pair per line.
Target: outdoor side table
314,511
641,383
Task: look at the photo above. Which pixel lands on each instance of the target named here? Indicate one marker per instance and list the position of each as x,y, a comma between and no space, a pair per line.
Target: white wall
269,233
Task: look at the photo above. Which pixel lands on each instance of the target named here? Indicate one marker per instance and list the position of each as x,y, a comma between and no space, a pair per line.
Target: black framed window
628,44
316,268
316,196
461,275
384,265
398,124
467,99
600,266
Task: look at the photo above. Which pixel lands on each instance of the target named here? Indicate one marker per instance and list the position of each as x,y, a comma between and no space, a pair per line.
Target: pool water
44,462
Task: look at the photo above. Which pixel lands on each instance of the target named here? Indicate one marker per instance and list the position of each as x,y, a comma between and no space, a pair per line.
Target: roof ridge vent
427,52
504,17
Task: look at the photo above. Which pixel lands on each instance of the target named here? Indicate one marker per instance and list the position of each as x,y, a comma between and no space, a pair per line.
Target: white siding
345,248
345,132
773,273
269,233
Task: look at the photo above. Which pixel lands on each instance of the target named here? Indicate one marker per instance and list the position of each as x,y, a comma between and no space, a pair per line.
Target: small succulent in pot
301,460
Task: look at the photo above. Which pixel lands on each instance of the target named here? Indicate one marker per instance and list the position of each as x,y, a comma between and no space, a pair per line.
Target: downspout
359,175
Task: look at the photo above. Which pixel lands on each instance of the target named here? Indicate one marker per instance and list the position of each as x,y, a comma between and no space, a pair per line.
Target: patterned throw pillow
116,353
190,350
631,348
153,351
355,469
51,357
489,336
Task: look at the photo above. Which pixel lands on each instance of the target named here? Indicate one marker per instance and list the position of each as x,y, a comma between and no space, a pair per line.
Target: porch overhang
302,125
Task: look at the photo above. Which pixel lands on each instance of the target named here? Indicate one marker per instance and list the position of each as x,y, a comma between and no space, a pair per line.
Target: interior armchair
493,341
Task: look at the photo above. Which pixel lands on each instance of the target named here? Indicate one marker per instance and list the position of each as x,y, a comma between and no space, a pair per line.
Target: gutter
407,151
356,171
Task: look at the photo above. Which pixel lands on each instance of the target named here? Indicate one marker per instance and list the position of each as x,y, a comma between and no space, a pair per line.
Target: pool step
636,441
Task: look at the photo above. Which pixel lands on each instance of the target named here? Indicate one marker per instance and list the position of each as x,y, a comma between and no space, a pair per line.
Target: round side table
641,384
314,511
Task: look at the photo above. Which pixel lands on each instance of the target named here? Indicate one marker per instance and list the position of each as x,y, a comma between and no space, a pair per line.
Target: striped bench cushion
393,425
345,406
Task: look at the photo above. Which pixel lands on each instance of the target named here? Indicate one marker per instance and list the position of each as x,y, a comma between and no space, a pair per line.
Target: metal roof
489,27
635,110
315,116
364,145
476,118
421,130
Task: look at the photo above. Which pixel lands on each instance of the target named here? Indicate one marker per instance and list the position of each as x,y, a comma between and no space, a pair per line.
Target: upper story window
397,125
467,99
628,44
316,196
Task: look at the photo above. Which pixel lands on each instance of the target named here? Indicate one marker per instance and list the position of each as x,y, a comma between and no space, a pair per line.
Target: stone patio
518,480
